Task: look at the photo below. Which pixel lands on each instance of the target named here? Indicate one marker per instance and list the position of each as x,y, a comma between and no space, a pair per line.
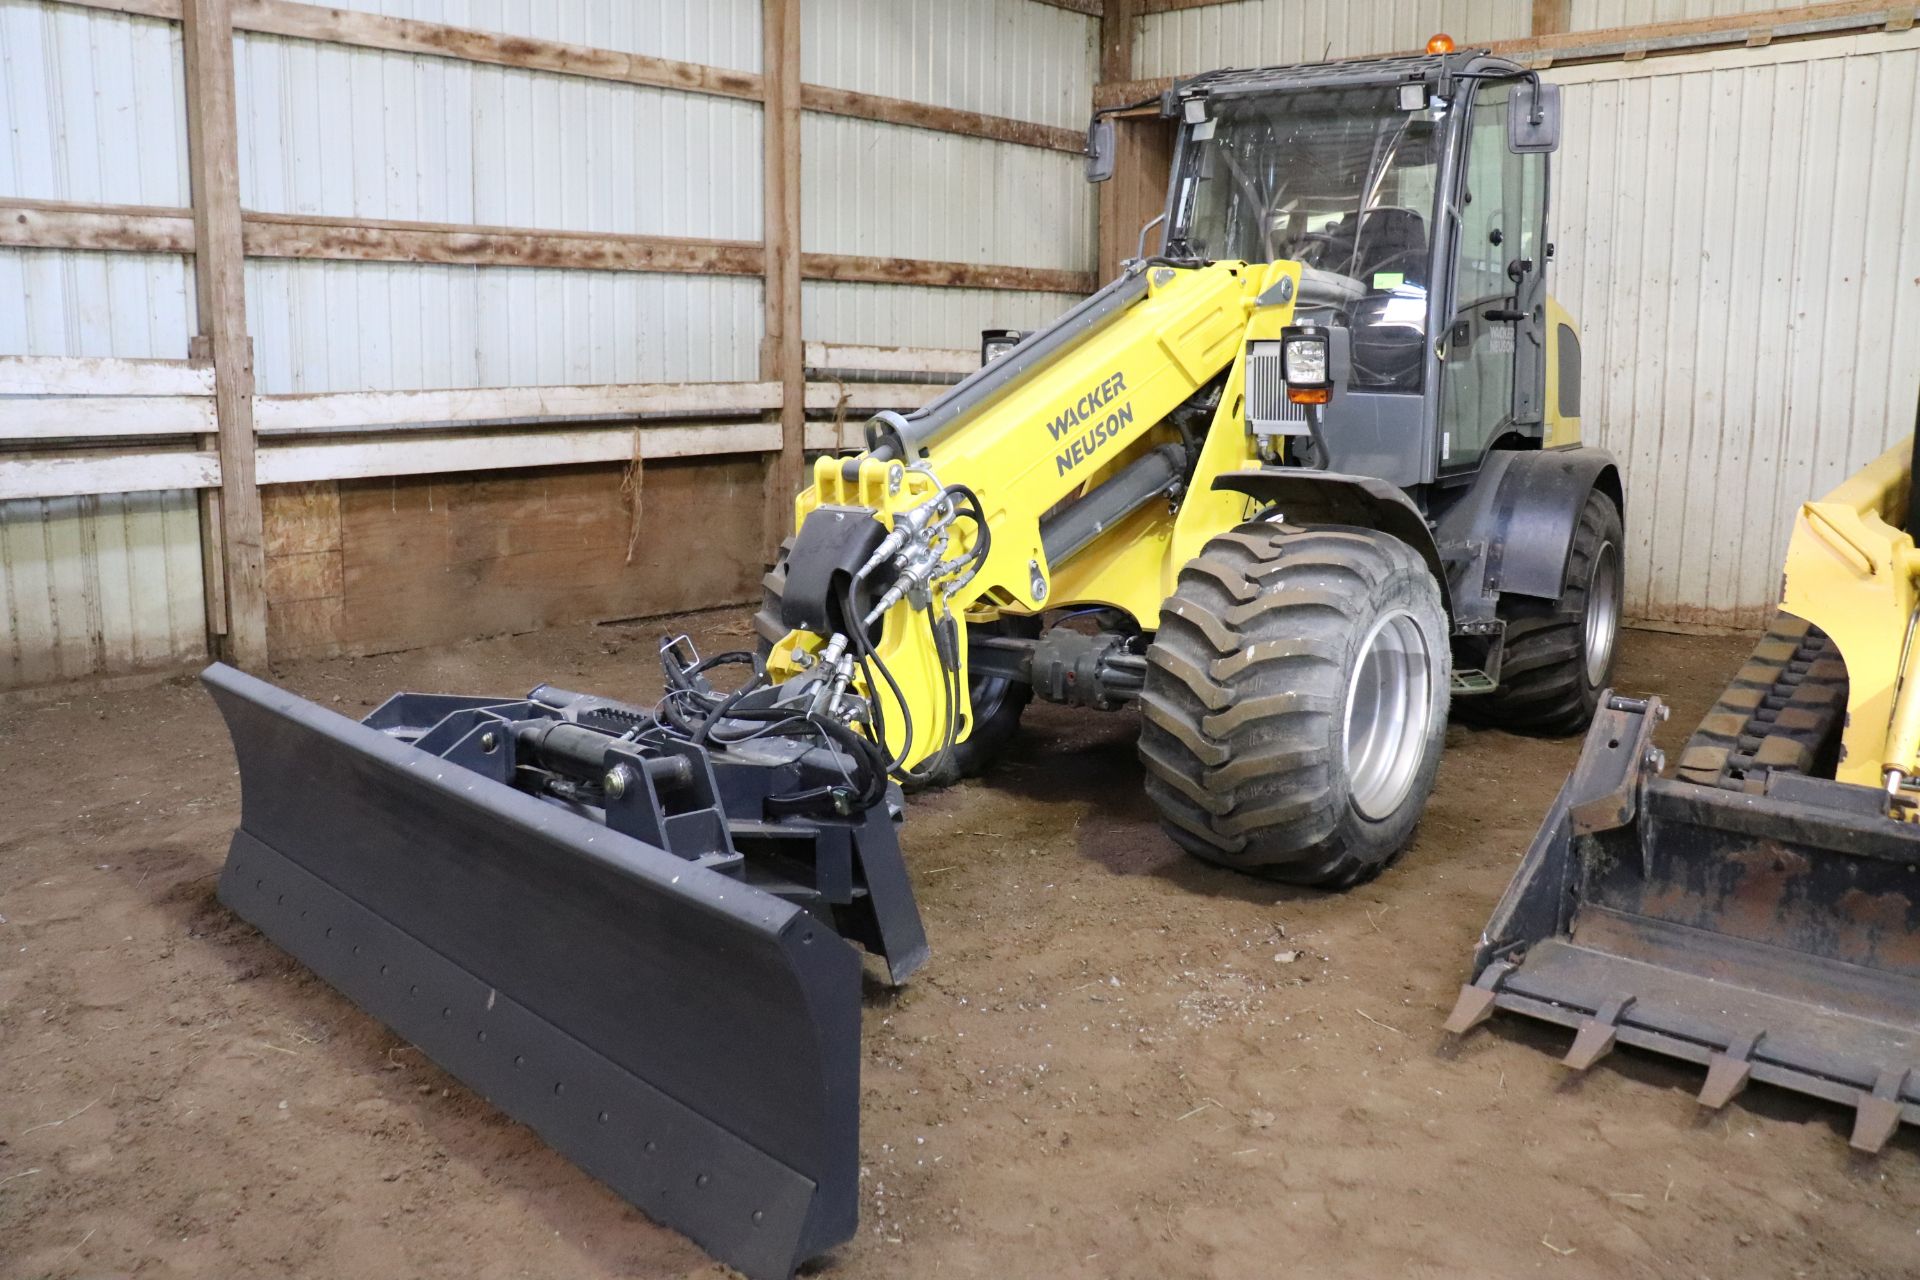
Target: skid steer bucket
1768,932
645,969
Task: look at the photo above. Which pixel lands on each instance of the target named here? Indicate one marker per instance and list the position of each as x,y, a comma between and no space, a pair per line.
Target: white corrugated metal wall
1252,33
344,132
91,109
1735,234
870,188
1590,14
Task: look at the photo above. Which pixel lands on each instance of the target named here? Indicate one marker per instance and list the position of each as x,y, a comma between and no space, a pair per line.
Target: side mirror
1533,118
1100,150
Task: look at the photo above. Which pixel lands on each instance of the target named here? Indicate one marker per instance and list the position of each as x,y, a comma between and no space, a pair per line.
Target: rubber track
1783,711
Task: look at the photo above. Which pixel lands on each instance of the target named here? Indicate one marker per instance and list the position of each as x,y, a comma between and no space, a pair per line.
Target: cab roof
1431,68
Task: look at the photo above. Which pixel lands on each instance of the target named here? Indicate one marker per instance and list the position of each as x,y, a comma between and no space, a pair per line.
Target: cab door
1493,366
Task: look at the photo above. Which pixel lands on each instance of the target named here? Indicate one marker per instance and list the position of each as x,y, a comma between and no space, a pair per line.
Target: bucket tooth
1728,1072
1877,1115
1476,1002
1597,1035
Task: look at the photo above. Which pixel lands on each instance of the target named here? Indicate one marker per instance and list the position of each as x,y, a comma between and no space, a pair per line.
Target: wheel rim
1603,612
1389,710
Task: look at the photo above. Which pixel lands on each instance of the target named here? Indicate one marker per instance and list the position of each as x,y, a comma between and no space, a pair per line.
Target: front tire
1296,702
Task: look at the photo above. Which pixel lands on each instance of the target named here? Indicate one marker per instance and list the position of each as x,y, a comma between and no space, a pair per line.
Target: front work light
1303,361
995,343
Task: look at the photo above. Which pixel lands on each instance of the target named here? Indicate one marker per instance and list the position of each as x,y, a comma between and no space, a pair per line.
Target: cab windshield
1340,180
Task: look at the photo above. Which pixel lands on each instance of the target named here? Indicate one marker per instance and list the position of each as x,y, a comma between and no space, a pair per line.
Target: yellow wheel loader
1292,485
1758,912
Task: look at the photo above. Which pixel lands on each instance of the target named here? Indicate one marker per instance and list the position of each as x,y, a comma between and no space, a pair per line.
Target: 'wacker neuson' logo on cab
1096,425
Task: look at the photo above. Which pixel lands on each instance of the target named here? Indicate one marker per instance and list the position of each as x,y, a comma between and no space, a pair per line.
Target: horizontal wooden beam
1174,6
363,459
831,397
405,35
357,410
53,224
153,229
83,417
167,9
924,271
836,437
1607,43
1693,34
839,355
433,39
1087,8
276,235
119,473
504,451
924,115
101,376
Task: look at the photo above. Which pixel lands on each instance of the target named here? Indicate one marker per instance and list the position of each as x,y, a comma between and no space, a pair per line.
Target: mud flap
691,1040
1770,937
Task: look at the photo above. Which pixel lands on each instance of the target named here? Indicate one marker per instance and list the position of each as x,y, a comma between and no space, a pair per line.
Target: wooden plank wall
360,554
370,566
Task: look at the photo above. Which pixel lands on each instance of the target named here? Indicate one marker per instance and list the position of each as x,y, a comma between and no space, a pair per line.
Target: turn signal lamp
1442,43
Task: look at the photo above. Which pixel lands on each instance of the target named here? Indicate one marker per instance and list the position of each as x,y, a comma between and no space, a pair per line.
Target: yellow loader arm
1850,571
1028,486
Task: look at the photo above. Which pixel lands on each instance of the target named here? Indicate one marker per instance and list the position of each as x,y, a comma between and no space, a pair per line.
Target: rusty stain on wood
52,224
303,236
925,271
154,229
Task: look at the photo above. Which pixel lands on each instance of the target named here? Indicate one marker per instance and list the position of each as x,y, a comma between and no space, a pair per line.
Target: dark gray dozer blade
690,1040
1768,935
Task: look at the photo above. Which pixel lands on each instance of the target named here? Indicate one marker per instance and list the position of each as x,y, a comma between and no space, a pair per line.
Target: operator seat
1391,240
1389,324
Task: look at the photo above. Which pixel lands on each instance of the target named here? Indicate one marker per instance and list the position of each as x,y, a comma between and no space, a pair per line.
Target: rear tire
1559,655
1296,702
997,704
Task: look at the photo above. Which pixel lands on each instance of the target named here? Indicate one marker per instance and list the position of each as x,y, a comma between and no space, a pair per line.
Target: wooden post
782,357
1116,40
219,276
1116,66
1552,17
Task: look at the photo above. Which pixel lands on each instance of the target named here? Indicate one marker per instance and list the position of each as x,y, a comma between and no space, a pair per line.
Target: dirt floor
1119,1063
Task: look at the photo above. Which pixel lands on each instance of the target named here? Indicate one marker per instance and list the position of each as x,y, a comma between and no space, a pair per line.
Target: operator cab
1413,192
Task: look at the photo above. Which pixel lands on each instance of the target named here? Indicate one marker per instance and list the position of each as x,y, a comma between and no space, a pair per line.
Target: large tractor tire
1296,702
997,703
1559,656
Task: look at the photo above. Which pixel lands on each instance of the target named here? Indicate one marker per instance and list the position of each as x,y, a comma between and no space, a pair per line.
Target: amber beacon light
1442,43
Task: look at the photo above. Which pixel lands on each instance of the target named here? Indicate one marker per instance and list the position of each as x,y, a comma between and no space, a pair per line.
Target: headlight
1303,361
995,343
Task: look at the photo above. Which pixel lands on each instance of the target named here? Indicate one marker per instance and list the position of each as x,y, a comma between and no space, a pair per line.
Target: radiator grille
1269,412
